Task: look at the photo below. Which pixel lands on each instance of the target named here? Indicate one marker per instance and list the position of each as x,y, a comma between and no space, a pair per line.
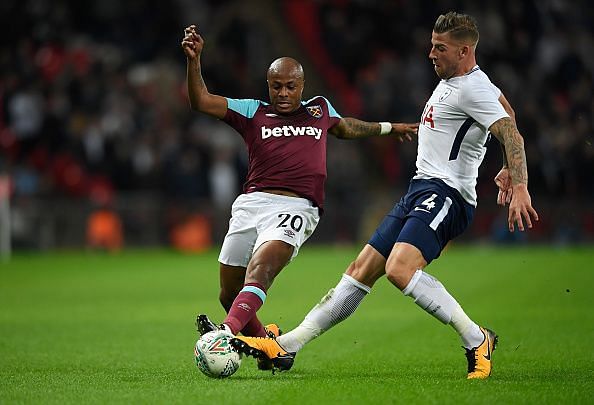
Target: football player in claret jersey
284,192
455,125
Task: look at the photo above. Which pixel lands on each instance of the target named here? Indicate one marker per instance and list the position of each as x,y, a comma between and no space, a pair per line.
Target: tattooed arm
503,178
506,132
351,128
512,114
520,206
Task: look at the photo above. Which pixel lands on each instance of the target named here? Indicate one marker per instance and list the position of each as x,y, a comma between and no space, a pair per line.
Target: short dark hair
461,27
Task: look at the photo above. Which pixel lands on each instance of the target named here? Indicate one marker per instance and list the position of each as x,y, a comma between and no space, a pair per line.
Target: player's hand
520,208
192,43
404,132
503,182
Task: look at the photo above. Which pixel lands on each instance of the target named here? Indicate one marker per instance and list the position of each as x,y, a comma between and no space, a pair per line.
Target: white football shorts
259,217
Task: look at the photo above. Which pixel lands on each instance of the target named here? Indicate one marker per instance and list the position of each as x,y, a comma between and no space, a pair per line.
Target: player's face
285,90
445,55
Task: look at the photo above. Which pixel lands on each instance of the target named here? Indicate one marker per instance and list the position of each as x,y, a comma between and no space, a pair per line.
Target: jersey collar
474,69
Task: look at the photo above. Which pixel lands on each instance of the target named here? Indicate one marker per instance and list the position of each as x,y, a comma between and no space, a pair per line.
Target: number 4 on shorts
429,203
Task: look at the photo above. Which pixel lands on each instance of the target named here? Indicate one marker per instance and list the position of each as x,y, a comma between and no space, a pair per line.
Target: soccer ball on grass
215,356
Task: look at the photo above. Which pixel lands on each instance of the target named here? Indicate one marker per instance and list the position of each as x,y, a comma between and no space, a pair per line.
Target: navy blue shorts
427,217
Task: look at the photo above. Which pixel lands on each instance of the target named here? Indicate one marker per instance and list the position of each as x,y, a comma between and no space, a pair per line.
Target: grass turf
99,328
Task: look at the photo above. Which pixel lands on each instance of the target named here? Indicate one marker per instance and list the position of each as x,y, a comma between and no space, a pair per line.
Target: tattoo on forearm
506,131
359,129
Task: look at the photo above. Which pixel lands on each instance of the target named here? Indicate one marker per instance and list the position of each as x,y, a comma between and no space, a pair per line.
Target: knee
405,259
399,270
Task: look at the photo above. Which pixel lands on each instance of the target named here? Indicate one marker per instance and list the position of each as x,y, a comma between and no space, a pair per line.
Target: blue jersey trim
474,69
255,290
331,111
246,106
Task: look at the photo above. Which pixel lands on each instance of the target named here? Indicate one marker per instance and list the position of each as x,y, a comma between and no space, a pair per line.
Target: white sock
469,332
432,296
337,305
225,328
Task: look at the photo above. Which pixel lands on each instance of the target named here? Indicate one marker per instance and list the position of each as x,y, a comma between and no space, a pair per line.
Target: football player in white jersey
455,124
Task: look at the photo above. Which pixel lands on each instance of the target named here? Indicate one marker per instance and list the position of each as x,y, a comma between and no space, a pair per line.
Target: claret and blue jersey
285,151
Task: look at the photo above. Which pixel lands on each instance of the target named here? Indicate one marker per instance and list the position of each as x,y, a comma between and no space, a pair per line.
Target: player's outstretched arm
520,207
200,99
351,128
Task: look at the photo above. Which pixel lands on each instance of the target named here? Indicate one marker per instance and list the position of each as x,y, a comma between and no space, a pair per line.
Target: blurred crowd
538,52
93,101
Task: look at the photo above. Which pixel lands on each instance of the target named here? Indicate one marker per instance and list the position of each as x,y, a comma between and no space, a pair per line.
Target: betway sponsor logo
290,130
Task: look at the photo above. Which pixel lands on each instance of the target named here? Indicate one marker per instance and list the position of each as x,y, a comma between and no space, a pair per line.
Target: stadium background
94,114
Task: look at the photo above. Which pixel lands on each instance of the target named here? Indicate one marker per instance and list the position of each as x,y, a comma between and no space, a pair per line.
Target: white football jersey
454,130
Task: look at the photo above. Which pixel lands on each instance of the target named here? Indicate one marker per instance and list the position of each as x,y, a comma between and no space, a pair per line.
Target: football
215,356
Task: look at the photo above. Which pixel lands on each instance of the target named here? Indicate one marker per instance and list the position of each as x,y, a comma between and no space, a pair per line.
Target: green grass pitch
99,328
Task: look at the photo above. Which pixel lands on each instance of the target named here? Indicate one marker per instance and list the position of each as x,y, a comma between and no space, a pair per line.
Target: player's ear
464,51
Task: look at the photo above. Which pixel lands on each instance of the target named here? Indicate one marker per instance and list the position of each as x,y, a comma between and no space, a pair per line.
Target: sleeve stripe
245,107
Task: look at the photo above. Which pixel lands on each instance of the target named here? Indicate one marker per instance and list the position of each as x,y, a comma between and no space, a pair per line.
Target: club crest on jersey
314,110
445,94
